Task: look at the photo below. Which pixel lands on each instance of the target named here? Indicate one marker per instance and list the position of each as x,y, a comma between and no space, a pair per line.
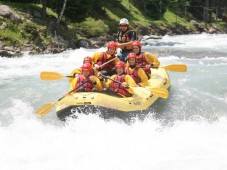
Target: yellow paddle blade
45,109
50,76
176,67
141,92
160,92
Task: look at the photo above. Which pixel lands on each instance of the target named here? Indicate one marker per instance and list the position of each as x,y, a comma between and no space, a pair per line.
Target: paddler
93,83
120,82
78,71
125,38
144,60
138,74
104,62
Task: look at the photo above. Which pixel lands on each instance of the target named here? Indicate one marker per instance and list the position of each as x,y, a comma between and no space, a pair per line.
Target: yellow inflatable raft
111,106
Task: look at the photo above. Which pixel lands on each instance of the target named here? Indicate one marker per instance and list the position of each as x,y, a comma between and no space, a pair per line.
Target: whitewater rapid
188,131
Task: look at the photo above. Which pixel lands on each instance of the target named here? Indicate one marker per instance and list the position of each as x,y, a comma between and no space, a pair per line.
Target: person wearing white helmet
124,21
125,38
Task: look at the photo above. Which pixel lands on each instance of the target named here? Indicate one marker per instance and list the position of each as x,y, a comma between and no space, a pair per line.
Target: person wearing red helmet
105,61
87,59
125,38
122,88
77,71
144,59
93,83
138,74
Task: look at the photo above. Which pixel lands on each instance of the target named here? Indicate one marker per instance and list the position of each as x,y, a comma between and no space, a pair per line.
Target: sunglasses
123,25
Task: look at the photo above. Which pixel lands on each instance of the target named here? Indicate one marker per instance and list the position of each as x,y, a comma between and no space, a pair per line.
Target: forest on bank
55,25
79,10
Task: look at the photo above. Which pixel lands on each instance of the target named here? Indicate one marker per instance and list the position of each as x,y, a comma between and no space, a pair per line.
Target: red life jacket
118,88
109,66
88,86
141,61
92,72
134,74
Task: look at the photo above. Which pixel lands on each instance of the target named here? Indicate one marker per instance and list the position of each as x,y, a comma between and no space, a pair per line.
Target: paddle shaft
171,67
112,79
107,62
149,67
75,89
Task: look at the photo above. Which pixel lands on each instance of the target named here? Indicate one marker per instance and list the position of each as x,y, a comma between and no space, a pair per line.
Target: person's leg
120,56
124,55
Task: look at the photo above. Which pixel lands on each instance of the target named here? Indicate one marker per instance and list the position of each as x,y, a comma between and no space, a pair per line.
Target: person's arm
129,80
97,83
142,75
96,72
95,59
126,44
73,83
152,59
109,82
132,35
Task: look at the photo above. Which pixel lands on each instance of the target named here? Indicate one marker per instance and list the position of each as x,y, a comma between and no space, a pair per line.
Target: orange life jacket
118,88
141,61
87,87
134,74
123,36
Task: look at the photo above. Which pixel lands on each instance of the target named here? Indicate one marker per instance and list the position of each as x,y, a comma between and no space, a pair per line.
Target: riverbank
24,31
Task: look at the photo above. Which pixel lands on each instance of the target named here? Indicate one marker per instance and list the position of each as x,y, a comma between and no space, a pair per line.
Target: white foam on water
187,131
92,143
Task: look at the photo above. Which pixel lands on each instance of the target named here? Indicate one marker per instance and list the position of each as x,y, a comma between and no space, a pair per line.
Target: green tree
44,3
152,8
62,11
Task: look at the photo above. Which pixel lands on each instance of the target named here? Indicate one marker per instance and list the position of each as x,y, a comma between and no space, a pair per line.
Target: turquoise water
187,131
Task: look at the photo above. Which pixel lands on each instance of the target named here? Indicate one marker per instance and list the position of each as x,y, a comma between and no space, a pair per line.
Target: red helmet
131,55
120,64
86,66
112,44
87,58
136,43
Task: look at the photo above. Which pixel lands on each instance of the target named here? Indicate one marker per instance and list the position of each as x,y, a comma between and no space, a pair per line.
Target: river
188,131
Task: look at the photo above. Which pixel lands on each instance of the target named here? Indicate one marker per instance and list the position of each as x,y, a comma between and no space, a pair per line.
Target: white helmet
124,21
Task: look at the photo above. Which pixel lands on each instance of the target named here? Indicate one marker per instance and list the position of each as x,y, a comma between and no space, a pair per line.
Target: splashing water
187,131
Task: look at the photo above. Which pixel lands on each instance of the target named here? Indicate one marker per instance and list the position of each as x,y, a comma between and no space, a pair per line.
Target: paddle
45,75
172,67
107,62
52,76
48,107
160,92
143,92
